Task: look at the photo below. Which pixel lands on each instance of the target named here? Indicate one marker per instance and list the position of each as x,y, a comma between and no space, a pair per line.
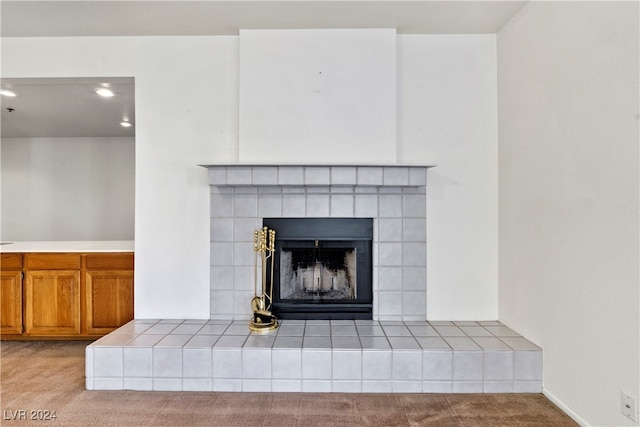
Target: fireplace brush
264,246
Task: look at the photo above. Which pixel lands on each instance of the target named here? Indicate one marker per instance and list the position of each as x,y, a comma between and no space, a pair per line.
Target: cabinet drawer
116,261
52,261
11,262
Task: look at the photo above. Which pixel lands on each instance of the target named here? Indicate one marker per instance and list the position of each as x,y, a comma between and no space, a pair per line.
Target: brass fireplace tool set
264,245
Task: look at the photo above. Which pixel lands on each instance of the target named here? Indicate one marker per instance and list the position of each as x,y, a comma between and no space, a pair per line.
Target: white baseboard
564,408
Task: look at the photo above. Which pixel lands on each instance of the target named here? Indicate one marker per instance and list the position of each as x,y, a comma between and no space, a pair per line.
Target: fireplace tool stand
264,245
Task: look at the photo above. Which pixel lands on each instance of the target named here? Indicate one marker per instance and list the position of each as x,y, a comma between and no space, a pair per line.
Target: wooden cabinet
109,292
52,294
10,294
65,295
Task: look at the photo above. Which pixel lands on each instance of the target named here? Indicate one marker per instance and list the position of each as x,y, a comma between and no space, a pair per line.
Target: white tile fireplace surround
397,351
393,195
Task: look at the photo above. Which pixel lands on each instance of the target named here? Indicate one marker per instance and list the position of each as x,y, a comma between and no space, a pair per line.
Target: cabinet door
11,302
52,302
109,299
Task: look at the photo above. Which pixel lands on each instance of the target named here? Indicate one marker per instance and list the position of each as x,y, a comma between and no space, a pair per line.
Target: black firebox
322,268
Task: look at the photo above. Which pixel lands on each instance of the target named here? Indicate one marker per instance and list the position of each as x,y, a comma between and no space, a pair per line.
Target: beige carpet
49,376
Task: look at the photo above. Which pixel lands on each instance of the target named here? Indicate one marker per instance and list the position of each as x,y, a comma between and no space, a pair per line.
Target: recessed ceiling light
125,124
104,92
7,92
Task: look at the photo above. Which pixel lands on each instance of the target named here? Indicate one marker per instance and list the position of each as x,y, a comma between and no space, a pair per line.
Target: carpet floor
41,376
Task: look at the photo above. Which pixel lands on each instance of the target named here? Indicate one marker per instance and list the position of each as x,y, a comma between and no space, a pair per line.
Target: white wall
67,188
569,195
448,116
187,103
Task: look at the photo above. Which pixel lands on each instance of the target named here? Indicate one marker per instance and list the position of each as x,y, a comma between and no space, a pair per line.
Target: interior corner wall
67,189
447,88
186,92
186,114
569,198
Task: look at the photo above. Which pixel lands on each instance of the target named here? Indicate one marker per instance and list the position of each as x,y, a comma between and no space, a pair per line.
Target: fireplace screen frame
331,233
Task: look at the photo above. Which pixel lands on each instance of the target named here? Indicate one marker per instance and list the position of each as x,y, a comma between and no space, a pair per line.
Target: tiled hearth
315,356
396,351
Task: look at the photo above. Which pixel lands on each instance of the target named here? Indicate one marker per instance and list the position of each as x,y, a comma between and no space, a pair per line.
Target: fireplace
323,268
394,196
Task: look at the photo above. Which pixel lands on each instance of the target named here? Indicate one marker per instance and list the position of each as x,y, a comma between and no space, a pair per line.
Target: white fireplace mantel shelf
259,175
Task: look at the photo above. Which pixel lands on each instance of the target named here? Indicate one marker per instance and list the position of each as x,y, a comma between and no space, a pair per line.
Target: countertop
68,246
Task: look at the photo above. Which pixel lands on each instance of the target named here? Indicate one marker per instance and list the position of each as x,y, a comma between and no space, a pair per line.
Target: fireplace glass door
322,268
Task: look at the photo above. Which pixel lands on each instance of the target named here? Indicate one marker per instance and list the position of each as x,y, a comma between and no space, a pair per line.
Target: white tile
107,383
226,385
286,364
407,365
366,205
316,386
317,205
238,175
414,278
502,331
196,384
370,331
390,229
375,343
243,229
476,331
173,341
202,341
264,175
167,362
343,330
138,384
528,365
370,386
312,330
294,205
347,365
414,230
245,205
291,330
316,364
498,387
317,175
376,365
345,342
343,175
222,302
467,387
167,384
396,331
390,254
196,363
132,328
415,206
226,363
114,340
187,329
422,331
528,386
217,175
346,386
212,329
417,176
259,341
290,175
88,361
255,386
398,176
269,205
342,205
220,205
467,365
369,176
256,363
437,386
491,343
414,254
498,365
390,206
390,279
238,330
404,343
221,229
414,305
437,365
286,386
400,386
221,278
144,340
137,362
460,343
107,362
390,304
221,253
433,343
288,342
519,343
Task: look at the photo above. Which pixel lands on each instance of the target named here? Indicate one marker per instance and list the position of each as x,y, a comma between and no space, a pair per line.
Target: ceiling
67,107
70,107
